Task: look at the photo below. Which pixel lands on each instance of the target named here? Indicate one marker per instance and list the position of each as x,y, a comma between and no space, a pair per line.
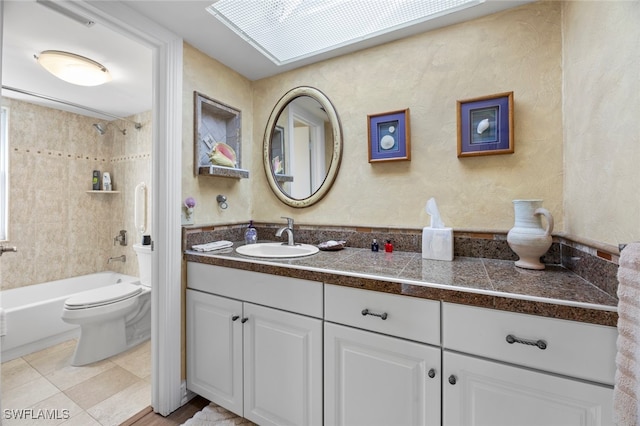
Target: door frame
168,393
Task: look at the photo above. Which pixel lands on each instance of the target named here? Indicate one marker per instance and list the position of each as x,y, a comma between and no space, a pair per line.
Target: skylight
289,30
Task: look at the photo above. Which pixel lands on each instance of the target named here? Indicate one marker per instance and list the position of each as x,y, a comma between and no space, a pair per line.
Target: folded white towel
626,392
216,245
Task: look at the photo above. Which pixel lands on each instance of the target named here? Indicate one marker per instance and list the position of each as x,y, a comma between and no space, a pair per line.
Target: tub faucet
122,258
288,229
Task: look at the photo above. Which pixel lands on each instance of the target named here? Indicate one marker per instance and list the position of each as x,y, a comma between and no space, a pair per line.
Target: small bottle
374,245
250,234
95,182
388,247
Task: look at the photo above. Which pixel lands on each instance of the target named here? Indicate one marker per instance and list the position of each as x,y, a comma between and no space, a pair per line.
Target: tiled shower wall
59,228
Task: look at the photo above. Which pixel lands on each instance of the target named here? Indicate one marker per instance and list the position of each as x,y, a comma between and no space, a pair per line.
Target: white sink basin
276,250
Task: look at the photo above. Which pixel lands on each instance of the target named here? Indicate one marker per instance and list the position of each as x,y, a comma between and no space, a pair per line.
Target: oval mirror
302,147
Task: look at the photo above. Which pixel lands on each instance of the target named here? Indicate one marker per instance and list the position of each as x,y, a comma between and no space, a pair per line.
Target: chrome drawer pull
366,312
511,339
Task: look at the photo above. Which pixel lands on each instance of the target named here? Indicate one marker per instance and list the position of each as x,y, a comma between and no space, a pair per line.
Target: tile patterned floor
104,393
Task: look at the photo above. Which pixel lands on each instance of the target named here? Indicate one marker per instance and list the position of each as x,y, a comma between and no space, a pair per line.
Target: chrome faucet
122,258
288,229
121,238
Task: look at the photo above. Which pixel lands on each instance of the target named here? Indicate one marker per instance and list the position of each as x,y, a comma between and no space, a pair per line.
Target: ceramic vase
528,238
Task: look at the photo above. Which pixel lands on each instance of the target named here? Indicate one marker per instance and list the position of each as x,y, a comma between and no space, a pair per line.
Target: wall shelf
102,192
220,171
215,122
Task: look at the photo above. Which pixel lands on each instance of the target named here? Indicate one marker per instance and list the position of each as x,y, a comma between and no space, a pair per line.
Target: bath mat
214,415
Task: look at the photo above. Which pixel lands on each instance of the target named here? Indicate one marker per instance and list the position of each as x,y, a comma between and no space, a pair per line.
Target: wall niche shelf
283,178
219,171
217,125
102,192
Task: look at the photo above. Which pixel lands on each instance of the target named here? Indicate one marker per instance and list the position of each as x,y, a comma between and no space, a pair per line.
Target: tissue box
437,243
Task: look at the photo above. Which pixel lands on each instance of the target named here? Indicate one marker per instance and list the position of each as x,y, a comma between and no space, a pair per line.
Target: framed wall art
389,136
485,125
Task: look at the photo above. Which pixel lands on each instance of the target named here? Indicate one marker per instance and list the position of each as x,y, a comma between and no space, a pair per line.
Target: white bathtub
32,313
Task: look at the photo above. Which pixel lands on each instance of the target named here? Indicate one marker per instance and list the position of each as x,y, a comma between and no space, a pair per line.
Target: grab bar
140,208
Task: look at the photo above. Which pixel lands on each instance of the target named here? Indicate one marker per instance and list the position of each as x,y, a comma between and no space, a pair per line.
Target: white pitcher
528,239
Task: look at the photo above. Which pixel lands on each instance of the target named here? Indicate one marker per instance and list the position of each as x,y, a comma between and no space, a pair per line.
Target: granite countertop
554,292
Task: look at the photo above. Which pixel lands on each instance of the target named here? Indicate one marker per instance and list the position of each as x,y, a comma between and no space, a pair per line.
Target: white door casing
165,200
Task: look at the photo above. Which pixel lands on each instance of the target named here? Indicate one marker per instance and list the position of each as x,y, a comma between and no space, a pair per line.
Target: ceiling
30,28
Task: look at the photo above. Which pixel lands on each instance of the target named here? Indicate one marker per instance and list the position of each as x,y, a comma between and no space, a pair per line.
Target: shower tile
17,372
100,387
28,394
123,405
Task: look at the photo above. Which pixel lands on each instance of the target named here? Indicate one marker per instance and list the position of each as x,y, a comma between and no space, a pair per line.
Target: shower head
102,128
99,128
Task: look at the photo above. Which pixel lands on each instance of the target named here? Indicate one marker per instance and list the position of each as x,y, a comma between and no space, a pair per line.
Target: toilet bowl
114,318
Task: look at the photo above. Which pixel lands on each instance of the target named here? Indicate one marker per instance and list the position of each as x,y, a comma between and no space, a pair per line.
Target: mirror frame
336,158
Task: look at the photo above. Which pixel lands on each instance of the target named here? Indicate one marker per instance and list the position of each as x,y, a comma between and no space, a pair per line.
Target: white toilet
114,318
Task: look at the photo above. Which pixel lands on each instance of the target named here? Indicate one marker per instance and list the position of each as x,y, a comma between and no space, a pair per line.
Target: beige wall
60,230
601,65
207,76
518,50
576,126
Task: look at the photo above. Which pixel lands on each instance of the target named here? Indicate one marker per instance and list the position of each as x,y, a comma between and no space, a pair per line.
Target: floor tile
50,412
136,360
83,419
53,358
17,372
45,384
123,405
28,394
69,376
100,387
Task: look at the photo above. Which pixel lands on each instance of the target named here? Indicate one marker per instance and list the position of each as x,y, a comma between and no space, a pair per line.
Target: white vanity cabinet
502,368
371,376
254,344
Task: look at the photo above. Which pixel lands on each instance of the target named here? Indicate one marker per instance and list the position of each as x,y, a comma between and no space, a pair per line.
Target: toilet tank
144,263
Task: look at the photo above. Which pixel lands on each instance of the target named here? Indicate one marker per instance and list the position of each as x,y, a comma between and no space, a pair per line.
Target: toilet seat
102,296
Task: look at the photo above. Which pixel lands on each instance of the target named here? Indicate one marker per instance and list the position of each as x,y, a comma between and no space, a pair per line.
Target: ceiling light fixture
74,69
286,31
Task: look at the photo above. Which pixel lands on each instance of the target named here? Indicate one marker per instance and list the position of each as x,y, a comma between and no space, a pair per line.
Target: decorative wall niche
217,139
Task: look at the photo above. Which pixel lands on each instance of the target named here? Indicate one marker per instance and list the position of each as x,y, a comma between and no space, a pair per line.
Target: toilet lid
102,296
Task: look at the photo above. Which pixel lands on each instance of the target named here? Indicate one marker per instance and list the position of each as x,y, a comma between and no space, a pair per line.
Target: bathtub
32,313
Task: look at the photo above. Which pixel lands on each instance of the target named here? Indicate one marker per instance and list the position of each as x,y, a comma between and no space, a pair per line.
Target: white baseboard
186,394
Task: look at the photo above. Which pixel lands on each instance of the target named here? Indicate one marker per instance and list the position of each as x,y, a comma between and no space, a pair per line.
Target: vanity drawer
286,293
581,350
407,317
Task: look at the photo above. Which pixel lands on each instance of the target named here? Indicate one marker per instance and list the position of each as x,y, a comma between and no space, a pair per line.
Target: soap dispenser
250,234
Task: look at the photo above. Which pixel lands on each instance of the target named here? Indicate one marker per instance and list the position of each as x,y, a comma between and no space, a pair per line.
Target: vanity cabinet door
479,392
373,379
214,349
282,367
